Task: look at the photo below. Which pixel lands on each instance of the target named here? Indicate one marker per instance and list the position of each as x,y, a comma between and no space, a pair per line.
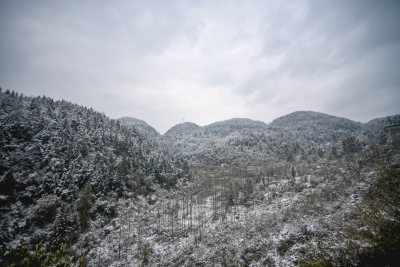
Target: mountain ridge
295,117
300,114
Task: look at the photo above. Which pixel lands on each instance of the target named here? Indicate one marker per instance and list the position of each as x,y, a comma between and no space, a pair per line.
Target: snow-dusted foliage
243,219
308,189
297,137
51,149
141,126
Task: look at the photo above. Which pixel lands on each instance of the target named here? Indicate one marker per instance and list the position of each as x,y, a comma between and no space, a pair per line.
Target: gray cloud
164,61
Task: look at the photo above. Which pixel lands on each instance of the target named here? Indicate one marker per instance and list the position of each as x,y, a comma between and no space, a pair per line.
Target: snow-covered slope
184,128
301,120
141,126
223,128
217,143
63,165
297,192
242,141
378,124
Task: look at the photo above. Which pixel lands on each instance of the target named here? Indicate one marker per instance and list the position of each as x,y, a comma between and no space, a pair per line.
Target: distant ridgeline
298,137
52,153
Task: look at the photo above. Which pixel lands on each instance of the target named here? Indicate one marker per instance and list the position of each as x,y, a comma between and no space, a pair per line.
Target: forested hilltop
296,138
308,189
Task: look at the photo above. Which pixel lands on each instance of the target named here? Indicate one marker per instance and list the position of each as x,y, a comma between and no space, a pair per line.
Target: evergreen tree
66,228
351,145
84,206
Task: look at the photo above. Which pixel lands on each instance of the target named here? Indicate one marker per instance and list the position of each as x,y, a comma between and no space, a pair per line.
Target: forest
308,189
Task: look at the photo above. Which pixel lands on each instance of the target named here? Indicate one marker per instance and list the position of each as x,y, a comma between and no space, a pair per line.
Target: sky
166,62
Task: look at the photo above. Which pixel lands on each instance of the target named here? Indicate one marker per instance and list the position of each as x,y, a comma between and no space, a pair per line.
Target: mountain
141,126
244,141
185,128
212,143
220,128
223,128
316,127
377,125
78,188
302,120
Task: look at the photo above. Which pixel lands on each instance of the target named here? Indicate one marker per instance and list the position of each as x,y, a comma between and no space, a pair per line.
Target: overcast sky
204,61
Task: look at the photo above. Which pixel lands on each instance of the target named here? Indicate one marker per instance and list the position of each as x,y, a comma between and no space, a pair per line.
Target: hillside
322,126
297,136
377,125
224,128
141,126
185,128
78,188
55,152
212,143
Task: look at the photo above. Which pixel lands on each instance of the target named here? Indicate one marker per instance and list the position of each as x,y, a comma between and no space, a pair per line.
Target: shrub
38,255
311,263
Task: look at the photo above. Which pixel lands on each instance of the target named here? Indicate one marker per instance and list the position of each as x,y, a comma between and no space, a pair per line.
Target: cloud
205,61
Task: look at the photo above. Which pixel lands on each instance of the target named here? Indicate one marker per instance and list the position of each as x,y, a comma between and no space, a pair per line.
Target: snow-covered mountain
183,129
378,124
224,128
241,141
141,126
308,189
303,120
213,143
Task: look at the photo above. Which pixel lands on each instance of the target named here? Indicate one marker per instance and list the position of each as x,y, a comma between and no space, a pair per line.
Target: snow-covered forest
308,189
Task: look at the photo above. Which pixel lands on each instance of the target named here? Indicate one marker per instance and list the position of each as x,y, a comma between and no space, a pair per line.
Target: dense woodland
64,165
308,189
